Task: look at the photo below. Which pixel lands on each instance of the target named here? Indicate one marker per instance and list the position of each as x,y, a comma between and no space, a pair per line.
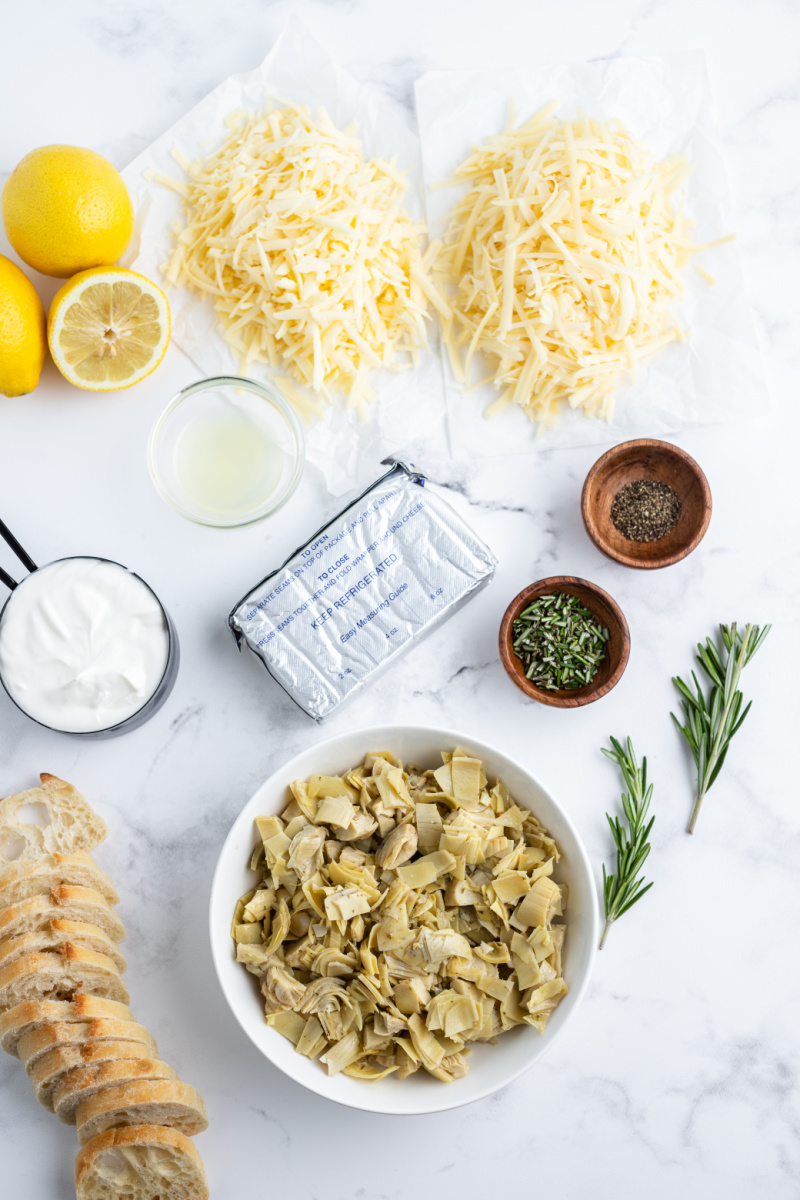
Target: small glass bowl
260,403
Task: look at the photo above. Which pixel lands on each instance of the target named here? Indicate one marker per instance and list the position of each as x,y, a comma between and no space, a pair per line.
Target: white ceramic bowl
490,1067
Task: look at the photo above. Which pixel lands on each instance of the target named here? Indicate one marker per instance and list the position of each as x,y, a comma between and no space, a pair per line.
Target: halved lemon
108,328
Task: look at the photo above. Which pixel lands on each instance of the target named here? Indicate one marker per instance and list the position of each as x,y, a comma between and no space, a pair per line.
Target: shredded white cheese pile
312,262
567,253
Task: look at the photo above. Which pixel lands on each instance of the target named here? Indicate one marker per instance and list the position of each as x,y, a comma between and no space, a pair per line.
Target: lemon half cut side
108,328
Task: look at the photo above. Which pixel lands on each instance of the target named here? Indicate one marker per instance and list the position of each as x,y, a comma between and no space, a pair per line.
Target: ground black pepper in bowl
645,510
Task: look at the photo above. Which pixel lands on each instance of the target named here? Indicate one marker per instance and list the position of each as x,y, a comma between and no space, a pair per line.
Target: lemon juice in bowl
226,461
227,451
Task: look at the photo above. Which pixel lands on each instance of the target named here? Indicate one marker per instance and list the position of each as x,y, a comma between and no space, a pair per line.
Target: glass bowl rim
268,392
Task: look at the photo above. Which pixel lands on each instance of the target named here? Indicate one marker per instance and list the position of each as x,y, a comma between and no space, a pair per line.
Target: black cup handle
19,551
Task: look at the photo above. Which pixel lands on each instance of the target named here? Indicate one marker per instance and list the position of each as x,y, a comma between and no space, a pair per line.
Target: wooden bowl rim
554,699
666,449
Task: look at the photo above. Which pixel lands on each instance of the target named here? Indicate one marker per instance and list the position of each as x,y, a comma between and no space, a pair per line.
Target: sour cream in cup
86,647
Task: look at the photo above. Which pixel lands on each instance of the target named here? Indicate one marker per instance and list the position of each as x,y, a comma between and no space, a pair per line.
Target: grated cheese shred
566,254
313,265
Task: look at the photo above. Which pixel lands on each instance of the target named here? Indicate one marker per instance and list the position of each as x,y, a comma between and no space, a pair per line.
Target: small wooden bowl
646,458
607,612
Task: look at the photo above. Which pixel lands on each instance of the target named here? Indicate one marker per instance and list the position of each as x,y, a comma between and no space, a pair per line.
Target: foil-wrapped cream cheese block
346,605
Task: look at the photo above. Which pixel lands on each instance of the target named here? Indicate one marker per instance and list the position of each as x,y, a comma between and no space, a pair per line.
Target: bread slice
48,1073
55,934
86,1060
153,1103
53,818
72,903
57,976
52,1068
144,1162
69,1034
42,874
32,1014
77,1086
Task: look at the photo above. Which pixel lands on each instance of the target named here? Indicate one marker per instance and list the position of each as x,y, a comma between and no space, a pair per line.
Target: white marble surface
679,1073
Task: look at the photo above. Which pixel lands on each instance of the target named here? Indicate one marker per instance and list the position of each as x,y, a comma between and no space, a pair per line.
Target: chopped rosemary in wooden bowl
564,641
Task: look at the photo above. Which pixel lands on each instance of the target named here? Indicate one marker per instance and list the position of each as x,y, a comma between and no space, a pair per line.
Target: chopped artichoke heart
538,905
386,937
426,1045
268,827
345,903
254,957
276,848
465,776
280,990
429,826
397,847
280,927
544,997
444,777
418,874
493,952
510,885
411,996
313,1040
335,810
526,967
262,901
320,786
343,1054
248,933
541,942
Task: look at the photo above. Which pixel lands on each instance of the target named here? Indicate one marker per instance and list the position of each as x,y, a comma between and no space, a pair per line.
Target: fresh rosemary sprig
711,722
622,889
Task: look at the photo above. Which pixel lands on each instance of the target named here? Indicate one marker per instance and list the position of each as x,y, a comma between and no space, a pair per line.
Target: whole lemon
23,331
66,209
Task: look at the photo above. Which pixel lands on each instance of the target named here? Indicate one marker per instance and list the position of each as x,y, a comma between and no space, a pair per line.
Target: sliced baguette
52,1068
55,934
33,876
67,902
143,1162
57,976
77,1086
53,818
153,1103
32,1014
68,1034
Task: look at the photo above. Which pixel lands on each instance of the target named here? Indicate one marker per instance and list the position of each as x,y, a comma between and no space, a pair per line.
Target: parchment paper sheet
410,413
666,103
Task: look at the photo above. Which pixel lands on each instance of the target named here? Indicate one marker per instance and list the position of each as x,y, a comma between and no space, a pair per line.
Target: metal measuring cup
165,684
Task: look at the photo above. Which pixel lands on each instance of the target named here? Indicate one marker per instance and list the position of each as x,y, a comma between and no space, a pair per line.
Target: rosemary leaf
622,889
710,723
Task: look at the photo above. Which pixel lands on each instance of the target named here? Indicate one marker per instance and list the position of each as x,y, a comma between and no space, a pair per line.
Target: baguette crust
61,1034
31,1014
77,1086
158,1103
55,935
33,876
58,975
53,1067
45,820
63,1007
66,901
140,1163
